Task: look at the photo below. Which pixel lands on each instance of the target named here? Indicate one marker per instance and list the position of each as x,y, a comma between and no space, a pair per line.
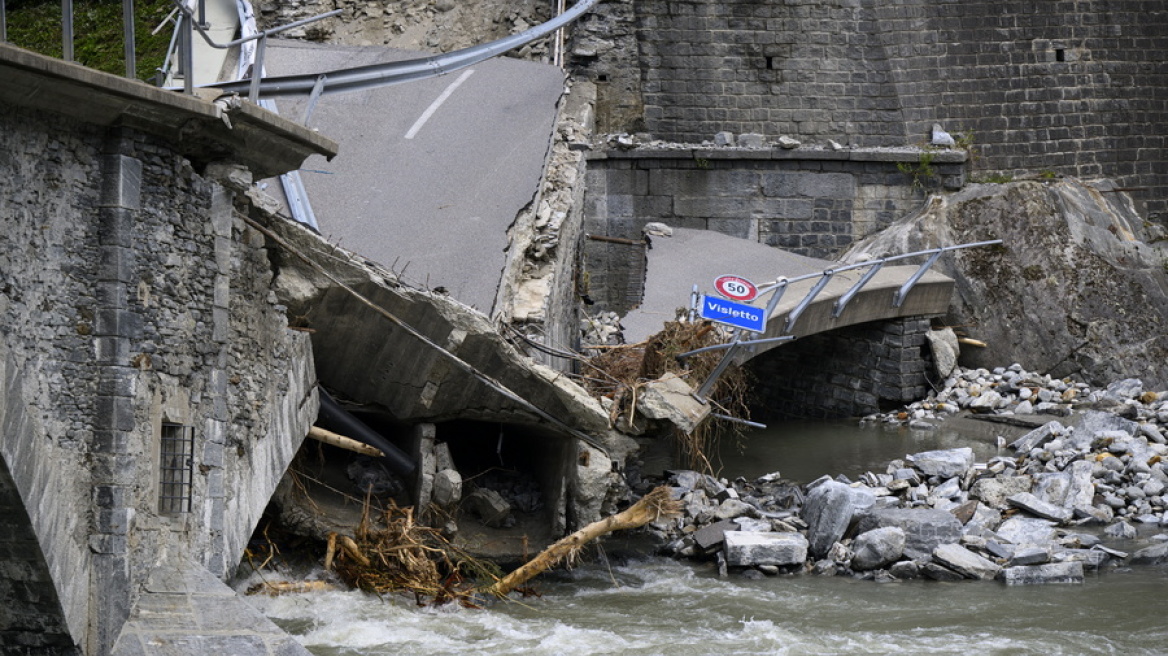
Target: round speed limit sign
735,288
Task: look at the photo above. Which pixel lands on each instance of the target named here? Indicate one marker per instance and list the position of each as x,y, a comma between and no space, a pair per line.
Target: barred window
176,469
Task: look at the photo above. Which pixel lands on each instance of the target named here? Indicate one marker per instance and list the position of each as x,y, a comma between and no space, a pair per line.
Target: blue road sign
739,315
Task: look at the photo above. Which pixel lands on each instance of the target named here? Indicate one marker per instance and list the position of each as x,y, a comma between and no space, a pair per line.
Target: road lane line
437,103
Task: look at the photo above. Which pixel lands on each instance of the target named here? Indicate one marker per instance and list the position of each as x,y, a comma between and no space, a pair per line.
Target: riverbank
1082,492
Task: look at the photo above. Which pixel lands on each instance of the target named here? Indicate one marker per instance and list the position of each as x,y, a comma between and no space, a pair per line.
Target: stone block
713,535
753,549
828,511
925,529
1069,572
945,463
1035,506
878,548
121,183
995,491
965,562
447,490
1026,531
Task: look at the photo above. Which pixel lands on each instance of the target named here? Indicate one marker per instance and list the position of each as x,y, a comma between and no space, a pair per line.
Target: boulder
1093,422
1030,555
713,535
944,464
878,548
1153,555
965,562
945,349
1024,530
1066,572
1039,508
827,510
924,528
1037,437
753,549
995,491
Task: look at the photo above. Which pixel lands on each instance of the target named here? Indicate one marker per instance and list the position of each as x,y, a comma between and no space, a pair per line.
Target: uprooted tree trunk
658,503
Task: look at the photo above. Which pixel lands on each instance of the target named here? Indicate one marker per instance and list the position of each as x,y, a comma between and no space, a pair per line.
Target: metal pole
203,14
3,22
188,55
257,70
67,30
128,38
722,364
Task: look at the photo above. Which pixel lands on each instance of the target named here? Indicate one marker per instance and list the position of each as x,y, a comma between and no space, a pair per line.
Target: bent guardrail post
794,315
847,296
700,395
902,293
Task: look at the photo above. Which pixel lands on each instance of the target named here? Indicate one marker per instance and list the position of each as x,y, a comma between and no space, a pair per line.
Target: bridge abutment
847,372
151,394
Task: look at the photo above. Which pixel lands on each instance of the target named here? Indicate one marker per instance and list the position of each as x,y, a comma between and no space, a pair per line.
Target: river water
641,604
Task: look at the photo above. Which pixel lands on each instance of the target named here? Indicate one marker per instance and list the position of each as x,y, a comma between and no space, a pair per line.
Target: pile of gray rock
1079,495
1015,391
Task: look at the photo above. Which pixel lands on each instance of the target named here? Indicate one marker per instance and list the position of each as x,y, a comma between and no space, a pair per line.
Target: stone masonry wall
1074,87
807,201
849,372
131,295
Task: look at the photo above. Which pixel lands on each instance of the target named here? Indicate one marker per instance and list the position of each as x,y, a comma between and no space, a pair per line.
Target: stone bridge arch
32,619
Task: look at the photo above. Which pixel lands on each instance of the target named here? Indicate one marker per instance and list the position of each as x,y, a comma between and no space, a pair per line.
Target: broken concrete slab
752,549
671,398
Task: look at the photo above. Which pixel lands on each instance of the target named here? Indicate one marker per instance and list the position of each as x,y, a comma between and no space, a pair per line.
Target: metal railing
742,339
379,75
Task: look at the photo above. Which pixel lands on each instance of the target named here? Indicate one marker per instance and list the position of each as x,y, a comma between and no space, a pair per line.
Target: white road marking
437,103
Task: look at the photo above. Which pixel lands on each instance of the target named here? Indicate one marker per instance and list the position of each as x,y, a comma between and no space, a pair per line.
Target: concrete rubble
1074,496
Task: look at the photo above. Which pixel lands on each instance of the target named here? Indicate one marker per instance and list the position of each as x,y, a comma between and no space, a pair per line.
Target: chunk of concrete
447,488
878,548
1068,572
965,562
489,505
946,463
671,398
753,549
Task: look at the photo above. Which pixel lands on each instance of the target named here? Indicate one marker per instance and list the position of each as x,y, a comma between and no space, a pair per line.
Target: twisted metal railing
742,337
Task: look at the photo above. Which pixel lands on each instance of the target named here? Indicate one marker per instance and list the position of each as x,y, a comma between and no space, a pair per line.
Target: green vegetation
97,29
922,173
1047,175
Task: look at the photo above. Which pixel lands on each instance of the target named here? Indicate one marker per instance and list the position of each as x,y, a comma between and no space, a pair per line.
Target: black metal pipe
335,418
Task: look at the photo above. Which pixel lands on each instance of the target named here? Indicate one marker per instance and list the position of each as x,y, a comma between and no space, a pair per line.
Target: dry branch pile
619,372
402,555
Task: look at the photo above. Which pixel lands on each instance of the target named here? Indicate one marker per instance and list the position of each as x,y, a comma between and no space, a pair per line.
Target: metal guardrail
779,286
379,75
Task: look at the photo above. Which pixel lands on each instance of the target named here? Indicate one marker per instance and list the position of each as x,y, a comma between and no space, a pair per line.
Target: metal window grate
176,469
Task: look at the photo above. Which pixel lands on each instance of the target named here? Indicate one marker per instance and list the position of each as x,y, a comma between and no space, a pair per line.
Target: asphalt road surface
430,174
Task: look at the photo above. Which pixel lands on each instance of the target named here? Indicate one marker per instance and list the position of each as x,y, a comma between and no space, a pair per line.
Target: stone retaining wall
1076,88
848,372
812,202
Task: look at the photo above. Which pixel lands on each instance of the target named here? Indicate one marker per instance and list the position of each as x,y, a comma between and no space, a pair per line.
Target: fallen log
335,439
658,503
